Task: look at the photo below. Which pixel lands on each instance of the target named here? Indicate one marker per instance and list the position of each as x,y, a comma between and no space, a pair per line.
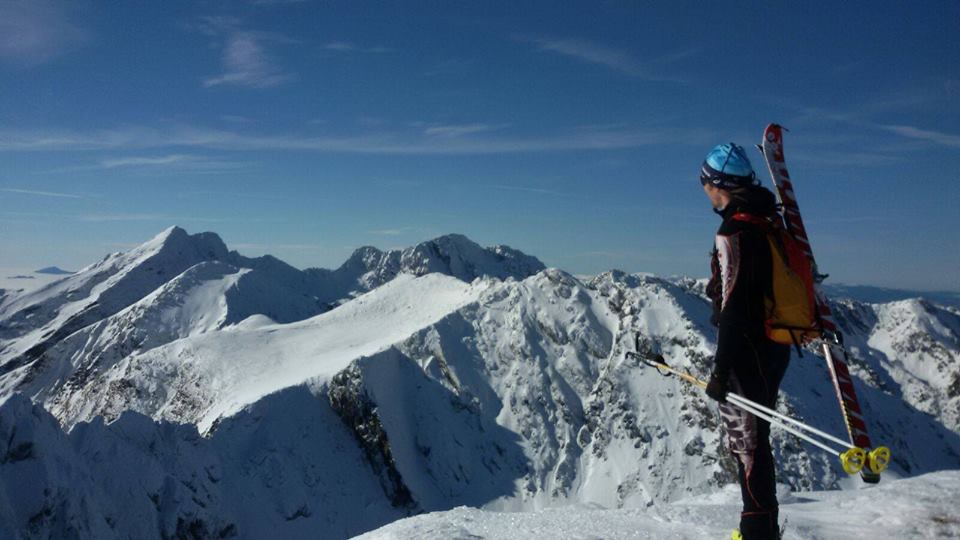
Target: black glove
717,387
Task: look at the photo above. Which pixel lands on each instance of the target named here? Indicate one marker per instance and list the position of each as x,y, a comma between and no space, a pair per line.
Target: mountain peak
207,245
171,233
461,257
452,239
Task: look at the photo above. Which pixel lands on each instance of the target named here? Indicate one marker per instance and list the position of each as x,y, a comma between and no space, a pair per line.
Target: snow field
926,506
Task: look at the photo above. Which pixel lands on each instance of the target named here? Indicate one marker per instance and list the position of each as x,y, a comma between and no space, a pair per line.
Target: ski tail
831,338
836,357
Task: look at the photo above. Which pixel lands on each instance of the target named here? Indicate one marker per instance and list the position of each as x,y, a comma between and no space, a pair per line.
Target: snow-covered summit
458,256
35,321
452,254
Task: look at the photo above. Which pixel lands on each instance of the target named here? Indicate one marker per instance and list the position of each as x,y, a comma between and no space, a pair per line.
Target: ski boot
735,535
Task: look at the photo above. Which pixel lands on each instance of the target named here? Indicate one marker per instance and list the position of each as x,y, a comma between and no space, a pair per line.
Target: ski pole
739,400
786,418
759,411
852,460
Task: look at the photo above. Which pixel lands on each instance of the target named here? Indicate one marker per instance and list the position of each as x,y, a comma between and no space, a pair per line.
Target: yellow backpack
791,316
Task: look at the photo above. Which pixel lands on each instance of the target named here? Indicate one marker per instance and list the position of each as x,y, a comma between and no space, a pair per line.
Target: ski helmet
727,167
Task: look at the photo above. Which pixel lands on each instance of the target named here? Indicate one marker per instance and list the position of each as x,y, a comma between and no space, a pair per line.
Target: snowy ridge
36,321
104,288
203,378
190,304
436,388
178,285
918,345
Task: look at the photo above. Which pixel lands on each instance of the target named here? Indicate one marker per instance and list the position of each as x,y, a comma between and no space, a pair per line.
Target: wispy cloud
398,182
35,31
247,63
592,53
347,46
339,46
179,162
610,57
460,130
140,161
41,193
232,193
380,142
214,25
236,119
389,232
938,137
850,159
539,191
848,219
147,217
276,2
862,118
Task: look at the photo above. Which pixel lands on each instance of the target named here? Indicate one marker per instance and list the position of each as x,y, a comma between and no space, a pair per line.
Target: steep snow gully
182,390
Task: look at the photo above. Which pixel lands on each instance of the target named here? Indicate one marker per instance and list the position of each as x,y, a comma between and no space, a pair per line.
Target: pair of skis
831,340
853,459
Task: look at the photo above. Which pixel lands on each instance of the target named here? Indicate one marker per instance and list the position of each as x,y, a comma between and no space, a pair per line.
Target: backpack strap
750,218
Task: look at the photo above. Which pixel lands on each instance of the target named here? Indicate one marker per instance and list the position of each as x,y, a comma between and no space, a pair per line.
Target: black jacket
741,278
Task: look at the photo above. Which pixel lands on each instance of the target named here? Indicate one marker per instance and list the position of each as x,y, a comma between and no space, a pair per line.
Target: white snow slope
203,378
231,411
921,507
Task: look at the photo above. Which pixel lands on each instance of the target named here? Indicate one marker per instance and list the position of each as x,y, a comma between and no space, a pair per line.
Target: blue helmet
727,167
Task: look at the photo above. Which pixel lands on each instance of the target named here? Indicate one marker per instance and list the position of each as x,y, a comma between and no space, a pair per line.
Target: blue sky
573,131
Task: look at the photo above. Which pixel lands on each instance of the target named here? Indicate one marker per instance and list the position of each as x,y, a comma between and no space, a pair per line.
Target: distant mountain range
882,295
181,389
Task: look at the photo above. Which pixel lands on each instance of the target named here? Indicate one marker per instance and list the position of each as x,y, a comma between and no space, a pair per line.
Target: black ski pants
756,376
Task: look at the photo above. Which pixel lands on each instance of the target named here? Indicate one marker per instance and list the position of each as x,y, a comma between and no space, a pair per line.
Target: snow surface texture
922,507
257,398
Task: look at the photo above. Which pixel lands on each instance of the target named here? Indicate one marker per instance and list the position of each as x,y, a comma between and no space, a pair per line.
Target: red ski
831,340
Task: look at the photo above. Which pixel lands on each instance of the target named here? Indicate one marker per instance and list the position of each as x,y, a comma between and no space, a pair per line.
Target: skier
746,361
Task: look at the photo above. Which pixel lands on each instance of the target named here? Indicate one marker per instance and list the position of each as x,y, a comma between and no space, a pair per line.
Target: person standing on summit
746,361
